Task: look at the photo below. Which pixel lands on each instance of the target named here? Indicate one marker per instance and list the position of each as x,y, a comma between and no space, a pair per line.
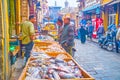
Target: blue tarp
91,8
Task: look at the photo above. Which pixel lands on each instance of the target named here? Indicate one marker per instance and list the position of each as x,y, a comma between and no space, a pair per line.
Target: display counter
49,61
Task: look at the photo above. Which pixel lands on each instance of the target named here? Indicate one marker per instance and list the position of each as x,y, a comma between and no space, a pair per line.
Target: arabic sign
89,3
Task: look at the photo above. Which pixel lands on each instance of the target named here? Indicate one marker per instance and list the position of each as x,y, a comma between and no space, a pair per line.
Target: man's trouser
100,35
68,49
28,48
117,43
90,35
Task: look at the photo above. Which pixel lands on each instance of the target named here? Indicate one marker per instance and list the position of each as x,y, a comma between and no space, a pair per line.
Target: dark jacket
90,29
68,35
100,30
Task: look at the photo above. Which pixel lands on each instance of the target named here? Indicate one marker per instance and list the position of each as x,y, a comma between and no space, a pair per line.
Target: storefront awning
104,2
114,2
91,8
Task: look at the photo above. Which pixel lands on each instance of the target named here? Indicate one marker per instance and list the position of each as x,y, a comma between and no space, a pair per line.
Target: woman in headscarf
82,34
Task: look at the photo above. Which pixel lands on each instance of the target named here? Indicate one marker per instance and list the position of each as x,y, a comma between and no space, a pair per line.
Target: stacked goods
48,48
46,67
54,50
58,55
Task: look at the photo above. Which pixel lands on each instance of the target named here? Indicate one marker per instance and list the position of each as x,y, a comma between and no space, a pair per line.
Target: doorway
112,18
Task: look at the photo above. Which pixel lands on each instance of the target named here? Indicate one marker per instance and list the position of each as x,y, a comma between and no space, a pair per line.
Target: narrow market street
101,64
37,39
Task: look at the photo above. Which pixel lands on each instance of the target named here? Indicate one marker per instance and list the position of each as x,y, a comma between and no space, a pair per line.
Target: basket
42,44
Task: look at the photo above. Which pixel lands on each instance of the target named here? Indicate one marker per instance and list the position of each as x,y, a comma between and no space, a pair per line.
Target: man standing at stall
67,37
28,35
60,27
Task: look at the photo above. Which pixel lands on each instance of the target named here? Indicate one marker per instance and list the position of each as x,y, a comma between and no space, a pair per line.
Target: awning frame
92,7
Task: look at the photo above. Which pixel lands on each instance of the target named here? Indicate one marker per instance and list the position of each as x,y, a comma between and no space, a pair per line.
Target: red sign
99,21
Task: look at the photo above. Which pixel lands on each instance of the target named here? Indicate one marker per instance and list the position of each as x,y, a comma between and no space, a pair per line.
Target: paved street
101,64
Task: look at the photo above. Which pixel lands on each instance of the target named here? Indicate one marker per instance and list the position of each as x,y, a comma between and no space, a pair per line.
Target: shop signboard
24,10
89,3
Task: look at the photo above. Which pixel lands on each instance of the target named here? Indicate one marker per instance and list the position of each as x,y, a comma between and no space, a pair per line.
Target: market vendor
28,35
67,36
60,27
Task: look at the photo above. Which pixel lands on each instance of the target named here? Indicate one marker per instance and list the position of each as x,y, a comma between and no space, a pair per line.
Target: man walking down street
90,29
28,35
82,32
100,31
67,37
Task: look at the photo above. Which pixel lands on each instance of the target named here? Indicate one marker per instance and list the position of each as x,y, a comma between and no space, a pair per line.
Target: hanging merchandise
98,10
12,18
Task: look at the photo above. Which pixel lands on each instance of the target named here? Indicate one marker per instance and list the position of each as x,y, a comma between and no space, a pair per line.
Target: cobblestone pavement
17,69
101,64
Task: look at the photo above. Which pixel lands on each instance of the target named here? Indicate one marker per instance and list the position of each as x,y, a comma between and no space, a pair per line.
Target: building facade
91,8
110,12
54,13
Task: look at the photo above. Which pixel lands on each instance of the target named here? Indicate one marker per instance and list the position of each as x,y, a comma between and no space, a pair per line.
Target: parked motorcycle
107,42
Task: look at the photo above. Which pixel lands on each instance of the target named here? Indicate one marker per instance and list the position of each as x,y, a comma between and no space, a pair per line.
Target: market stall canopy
91,8
104,2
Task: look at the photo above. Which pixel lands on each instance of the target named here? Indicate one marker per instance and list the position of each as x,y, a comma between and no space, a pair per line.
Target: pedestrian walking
82,34
28,35
100,31
60,28
83,22
67,37
39,28
118,39
90,29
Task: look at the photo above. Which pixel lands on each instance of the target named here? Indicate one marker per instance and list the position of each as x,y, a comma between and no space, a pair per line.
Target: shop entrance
112,18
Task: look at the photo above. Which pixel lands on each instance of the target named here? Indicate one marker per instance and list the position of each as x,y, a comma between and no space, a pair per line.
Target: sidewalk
99,63
93,40
17,69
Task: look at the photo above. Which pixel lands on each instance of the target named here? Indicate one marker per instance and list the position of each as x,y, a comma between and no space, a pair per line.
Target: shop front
111,12
92,12
4,42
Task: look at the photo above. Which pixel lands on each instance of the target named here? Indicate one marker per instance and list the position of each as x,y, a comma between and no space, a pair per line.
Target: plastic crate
14,43
42,43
